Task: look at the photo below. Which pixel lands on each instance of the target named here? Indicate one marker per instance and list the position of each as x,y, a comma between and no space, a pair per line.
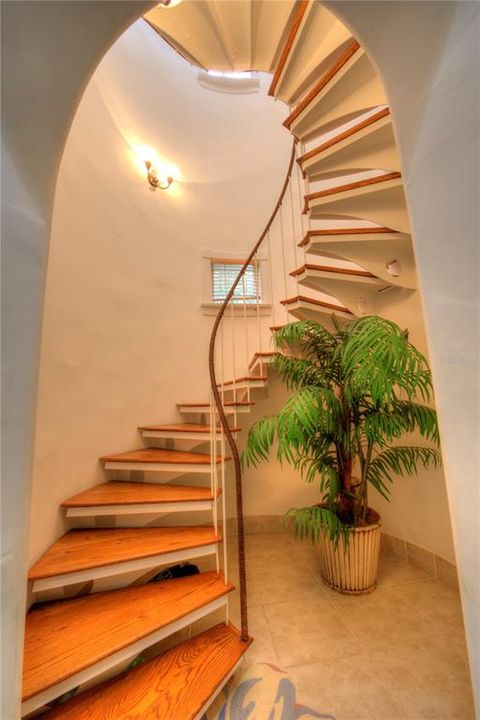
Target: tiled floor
395,654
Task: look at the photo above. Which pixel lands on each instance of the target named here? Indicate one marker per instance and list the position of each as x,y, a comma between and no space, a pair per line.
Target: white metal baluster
303,218
257,301
214,484
270,272
294,230
232,317
284,265
245,326
222,361
224,516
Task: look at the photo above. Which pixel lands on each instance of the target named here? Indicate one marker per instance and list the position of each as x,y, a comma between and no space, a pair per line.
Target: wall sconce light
393,268
168,3
163,182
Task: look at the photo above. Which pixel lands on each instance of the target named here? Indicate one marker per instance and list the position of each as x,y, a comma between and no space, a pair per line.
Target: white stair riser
139,564
159,467
163,435
194,410
140,509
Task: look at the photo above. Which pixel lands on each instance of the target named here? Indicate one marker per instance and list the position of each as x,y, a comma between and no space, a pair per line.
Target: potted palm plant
356,392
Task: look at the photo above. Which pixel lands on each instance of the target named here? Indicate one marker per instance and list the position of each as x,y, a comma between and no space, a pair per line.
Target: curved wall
431,108
124,337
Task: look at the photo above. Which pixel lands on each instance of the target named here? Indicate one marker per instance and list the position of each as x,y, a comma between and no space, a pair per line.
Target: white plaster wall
39,96
428,54
124,337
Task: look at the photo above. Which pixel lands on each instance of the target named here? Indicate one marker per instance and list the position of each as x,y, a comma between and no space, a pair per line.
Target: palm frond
399,460
378,360
259,442
297,372
311,522
392,421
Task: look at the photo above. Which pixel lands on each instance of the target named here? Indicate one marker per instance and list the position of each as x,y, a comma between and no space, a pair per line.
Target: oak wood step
261,357
182,428
354,272
231,403
159,456
352,48
318,303
71,640
178,684
288,45
137,493
245,379
347,233
377,182
83,550
344,134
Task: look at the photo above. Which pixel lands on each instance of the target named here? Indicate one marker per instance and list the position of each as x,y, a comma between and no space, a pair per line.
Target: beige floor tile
401,614
347,688
428,680
276,584
307,630
393,570
262,648
395,654
437,605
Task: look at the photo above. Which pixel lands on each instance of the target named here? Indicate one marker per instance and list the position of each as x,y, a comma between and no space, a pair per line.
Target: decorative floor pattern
395,654
261,692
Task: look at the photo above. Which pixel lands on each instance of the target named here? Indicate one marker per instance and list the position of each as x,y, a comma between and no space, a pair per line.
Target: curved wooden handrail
221,412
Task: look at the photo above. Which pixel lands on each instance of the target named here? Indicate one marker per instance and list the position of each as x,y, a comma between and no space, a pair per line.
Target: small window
248,290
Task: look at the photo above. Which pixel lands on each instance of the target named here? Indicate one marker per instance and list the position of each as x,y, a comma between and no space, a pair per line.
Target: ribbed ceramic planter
352,571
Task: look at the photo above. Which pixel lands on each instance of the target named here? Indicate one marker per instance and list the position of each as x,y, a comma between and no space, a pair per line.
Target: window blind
224,273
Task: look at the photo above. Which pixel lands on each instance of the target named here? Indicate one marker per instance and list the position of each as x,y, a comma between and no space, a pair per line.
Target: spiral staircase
357,230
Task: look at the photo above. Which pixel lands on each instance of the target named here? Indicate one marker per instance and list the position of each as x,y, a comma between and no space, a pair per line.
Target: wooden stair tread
355,185
289,41
345,231
174,685
137,493
333,270
84,549
231,403
384,112
246,378
160,455
183,428
314,301
260,355
322,82
63,638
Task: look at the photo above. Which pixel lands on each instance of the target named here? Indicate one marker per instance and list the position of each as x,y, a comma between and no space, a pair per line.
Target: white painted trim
327,88
205,409
211,308
141,508
338,276
356,192
158,467
56,581
219,688
359,237
165,435
243,385
312,307
123,655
